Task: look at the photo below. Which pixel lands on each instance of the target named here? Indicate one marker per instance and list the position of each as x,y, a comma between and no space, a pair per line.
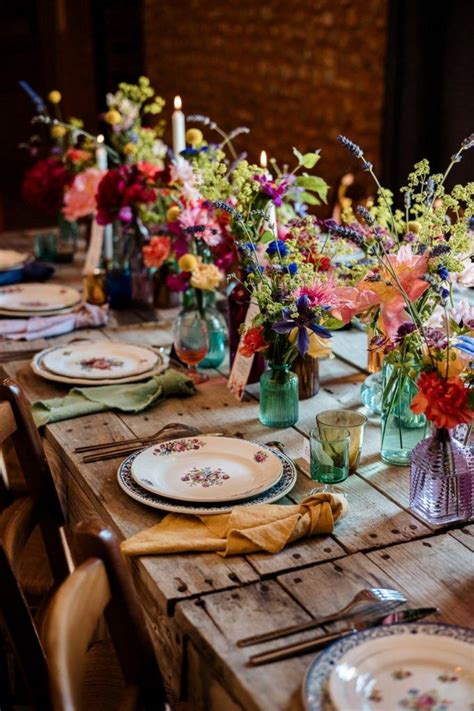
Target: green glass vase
401,428
278,396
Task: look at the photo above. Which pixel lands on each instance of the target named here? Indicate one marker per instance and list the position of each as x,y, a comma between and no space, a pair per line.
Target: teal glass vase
278,396
401,428
217,334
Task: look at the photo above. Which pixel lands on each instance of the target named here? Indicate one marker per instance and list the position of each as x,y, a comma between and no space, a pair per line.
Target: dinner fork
134,440
373,597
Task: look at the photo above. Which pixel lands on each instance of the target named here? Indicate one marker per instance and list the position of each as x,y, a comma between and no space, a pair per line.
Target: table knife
312,645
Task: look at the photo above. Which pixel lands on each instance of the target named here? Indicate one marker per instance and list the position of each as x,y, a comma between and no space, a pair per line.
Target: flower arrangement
406,294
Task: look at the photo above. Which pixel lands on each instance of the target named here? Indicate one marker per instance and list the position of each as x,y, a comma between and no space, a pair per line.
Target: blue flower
292,268
444,293
443,272
277,247
303,322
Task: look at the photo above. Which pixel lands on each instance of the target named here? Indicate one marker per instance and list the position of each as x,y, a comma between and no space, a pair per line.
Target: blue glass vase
119,288
278,396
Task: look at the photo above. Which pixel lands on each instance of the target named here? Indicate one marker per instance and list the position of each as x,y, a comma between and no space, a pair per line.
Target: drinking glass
191,341
342,420
329,457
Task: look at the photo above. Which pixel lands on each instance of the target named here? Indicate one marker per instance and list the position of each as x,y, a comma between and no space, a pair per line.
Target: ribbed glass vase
441,479
278,396
401,428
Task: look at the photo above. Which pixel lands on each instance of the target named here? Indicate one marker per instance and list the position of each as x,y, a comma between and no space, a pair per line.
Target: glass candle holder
332,421
329,455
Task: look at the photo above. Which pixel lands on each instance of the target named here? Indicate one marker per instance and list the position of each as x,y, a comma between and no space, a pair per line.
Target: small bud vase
441,479
401,428
307,370
278,396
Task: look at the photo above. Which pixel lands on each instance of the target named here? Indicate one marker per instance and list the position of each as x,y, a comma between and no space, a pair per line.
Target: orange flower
253,342
157,251
443,401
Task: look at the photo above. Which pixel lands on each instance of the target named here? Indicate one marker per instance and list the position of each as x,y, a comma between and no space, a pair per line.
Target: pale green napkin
133,397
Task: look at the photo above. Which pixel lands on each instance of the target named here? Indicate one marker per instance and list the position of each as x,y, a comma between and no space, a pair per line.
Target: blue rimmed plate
394,667
135,491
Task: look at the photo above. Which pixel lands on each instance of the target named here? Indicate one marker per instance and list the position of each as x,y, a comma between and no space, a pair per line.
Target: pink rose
79,198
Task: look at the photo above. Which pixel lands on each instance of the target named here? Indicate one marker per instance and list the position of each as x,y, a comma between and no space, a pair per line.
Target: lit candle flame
100,138
178,103
263,159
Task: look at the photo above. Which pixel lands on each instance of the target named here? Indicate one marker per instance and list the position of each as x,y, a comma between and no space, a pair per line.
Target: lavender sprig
34,96
368,218
356,151
345,232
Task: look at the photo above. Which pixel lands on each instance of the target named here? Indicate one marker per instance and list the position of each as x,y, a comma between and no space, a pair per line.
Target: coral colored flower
253,342
44,184
79,198
157,251
78,156
443,401
409,269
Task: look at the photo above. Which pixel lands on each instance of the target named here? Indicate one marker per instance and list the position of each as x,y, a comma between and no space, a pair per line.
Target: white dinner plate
138,493
30,314
38,368
207,469
44,298
393,667
98,359
10,259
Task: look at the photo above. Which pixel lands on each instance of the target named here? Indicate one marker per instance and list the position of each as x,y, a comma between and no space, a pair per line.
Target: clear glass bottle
401,428
441,479
278,396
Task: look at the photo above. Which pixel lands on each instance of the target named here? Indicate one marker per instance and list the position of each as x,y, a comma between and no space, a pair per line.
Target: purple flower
303,322
404,330
125,214
275,191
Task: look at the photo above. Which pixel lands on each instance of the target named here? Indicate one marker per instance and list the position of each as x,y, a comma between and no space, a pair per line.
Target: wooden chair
101,584
33,558
46,560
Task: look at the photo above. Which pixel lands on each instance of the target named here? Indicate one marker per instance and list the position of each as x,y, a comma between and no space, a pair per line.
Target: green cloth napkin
133,397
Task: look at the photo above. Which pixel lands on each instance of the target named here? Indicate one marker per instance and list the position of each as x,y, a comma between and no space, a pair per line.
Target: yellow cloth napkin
247,529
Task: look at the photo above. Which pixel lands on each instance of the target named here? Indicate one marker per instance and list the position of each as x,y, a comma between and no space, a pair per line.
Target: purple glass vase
441,479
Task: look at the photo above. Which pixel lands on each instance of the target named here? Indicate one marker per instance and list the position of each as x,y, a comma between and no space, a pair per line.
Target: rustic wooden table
198,605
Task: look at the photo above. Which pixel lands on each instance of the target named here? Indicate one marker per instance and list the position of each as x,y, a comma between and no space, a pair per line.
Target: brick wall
296,72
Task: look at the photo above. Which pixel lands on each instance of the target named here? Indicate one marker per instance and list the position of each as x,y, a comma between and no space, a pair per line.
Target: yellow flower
414,227
187,262
173,213
58,131
113,117
206,276
194,136
54,96
318,347
129,149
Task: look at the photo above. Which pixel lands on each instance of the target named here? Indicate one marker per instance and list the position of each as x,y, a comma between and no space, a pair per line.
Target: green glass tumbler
329,455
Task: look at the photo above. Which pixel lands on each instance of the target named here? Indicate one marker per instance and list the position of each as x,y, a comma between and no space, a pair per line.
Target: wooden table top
198,605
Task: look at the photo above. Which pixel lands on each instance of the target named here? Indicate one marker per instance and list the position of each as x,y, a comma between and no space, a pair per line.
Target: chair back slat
7,422
21,521
68,629
22,632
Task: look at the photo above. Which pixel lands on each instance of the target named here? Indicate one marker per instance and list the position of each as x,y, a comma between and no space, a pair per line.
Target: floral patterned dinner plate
38,368
207,469
37,298
98,359
417,667
137,492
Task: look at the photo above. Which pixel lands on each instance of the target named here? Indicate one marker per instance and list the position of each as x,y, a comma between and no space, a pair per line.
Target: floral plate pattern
135,491
315,686
207,469
37,298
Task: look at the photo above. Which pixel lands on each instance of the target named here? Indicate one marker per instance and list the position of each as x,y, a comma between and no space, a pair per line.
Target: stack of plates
206,475
11,266
25,300
393,667
98,363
